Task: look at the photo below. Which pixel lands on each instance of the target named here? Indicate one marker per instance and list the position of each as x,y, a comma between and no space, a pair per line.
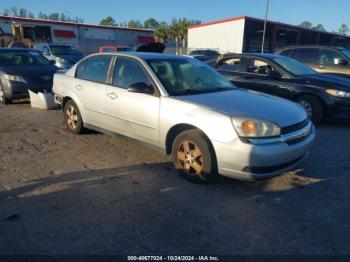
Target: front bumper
340,108
17,90
246,161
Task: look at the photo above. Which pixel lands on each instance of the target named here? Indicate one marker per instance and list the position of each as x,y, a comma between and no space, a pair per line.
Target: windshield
22,58
346,52
294,67
64,50
188,76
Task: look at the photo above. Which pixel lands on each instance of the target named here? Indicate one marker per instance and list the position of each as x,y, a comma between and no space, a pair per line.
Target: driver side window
329,57
128,72
230,65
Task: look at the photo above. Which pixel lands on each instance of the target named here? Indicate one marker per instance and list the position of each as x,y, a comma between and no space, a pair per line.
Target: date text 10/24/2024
173,258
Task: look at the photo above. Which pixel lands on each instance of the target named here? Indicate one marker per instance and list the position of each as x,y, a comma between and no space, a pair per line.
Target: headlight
15,78
254,128
61,60
338,93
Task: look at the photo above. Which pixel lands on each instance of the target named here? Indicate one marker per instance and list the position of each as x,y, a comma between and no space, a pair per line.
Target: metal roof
46,21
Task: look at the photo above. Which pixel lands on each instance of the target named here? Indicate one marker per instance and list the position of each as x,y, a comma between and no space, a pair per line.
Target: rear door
308,56
231,67
133,114
255,76
90,88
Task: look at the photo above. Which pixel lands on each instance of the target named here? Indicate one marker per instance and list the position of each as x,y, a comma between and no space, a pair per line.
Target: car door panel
92,97
133,114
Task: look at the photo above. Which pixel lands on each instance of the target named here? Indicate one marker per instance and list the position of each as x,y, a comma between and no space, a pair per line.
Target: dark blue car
22,70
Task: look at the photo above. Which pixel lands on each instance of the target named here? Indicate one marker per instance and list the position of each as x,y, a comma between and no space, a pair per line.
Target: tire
4,100
72,118
193,157
313,106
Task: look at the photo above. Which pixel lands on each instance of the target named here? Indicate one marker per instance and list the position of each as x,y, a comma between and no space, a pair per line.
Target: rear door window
230,65
306,55
94,69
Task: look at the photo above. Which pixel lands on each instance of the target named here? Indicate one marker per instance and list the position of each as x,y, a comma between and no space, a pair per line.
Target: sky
330,13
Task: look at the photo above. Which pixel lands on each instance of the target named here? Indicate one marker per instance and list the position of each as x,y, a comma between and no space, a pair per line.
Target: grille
295,127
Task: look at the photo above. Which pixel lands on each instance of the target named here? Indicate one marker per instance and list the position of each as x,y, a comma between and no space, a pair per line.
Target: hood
29,70
328,81
249,104
72,59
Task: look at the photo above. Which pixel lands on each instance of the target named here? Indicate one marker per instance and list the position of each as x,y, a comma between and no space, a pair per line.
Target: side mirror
141,87
52,62
274,74
343,62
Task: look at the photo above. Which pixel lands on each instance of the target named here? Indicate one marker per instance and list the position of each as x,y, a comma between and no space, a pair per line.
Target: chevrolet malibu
187,109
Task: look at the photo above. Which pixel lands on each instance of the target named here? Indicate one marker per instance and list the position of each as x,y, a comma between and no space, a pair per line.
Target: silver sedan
187,109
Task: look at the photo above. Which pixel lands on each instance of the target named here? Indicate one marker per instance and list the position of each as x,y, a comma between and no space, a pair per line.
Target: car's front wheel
313,107
72,118
193,156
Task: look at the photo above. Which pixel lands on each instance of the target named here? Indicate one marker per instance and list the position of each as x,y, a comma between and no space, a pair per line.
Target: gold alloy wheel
190,157
72,117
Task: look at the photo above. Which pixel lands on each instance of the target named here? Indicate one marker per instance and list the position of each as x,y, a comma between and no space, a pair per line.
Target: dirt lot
96,194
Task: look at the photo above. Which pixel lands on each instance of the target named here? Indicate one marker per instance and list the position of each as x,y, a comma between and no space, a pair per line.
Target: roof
311,46
9,49
261,55
262,20
144,55
46,21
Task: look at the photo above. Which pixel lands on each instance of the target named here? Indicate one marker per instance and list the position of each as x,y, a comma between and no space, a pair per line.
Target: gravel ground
97,194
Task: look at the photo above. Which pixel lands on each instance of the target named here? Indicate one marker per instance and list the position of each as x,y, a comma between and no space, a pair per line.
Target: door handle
112,95
79,88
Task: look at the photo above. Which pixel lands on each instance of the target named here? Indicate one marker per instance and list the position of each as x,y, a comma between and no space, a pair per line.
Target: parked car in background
205,52
115,48
323,59
22,70
320,95
64,55
187,109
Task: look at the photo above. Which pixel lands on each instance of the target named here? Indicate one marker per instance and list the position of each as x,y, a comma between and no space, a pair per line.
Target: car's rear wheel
73,119
313,107
4,100
193,157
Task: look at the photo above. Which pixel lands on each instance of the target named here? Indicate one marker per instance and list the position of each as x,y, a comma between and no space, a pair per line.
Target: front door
133,114
330,63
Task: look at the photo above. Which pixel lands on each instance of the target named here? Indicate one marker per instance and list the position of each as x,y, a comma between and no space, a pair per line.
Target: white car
186,108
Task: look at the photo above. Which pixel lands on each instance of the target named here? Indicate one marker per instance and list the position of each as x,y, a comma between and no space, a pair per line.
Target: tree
319,27
41,15
344,29
107,21
151,23
6,12
54,16
161,33
22,12
30,15
14,11
63,17
135,24
306,24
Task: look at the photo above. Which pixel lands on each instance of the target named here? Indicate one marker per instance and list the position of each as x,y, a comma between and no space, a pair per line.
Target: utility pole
265,22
